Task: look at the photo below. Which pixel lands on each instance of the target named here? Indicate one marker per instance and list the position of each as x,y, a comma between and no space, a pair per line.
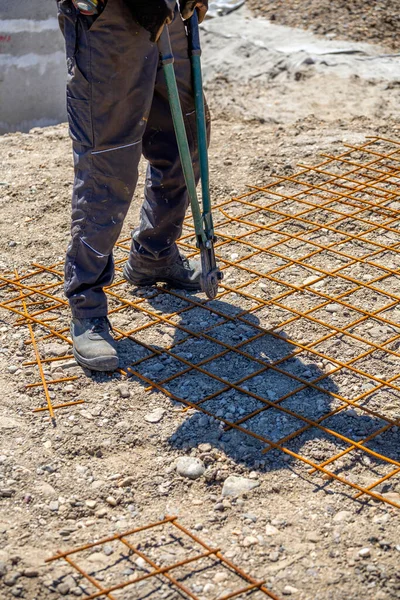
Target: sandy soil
376,22
54,483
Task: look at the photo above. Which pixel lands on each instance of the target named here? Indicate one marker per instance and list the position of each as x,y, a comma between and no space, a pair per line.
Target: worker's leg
112,68
166,197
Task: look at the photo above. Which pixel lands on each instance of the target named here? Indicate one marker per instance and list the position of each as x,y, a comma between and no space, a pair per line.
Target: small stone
271,530
55,349
12,369
127,482
63,589
205,448
108,550
54,506
288,590
47,444
102,512
17,591
69,389
209,588
111,501
141,563
124,390
313,536
311,279
12,578
250,540
220,577
274,556
190,467
6,492
364,553
31,573
3,569
76,591
91,503
235,486
155,416
342,515
392,496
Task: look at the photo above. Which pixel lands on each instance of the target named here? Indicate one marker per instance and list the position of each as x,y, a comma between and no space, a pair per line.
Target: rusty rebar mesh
160,560
300,350
20,300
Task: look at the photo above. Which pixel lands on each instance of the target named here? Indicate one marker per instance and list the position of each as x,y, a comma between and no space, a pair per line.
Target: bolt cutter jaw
211,275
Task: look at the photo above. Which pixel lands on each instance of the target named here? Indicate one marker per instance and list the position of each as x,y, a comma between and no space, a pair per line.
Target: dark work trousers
118,109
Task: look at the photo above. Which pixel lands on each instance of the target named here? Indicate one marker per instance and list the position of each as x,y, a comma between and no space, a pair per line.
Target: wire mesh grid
300,349
161,560
24,297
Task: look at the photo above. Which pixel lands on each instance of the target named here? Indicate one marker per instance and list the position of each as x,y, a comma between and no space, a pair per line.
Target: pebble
205,447
54,506
111,501
91,503
31,573
69,389
209,588
311,279
271,530
155,416
12,578
274,556
12,369
191,467
127,482
342,515
250,540
3,569
364,553
288,590
235,486
140,562
220,577
124,390
6,492
55,349
63,589
313,536
393,496
76,591
108,550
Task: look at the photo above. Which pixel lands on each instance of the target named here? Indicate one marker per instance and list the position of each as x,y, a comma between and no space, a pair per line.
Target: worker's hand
153,15
188,7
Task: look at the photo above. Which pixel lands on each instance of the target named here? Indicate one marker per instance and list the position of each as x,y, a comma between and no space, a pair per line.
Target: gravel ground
113,463
377,22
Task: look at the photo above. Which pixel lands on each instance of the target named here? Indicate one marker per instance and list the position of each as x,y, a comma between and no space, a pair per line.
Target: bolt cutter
203,222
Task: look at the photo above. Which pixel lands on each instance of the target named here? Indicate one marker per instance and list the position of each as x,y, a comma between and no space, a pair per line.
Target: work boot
94,346
181,274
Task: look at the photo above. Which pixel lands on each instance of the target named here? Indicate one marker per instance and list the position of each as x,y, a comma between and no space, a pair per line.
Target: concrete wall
32,65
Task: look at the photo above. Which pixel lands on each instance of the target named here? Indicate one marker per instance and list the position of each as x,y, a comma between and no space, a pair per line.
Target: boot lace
100,324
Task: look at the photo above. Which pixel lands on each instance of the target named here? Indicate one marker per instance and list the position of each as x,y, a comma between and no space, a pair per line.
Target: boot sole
102,363
144,282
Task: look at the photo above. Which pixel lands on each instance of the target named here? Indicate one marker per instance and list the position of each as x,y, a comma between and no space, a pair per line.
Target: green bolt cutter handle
203,224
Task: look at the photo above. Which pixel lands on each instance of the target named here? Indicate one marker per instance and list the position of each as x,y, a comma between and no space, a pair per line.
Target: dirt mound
377,21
